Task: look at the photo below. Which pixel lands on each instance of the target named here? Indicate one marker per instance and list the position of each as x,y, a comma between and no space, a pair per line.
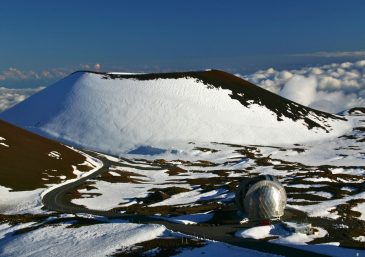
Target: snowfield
122,114
102,239
218,250
20,201
299,240
281,235
94,240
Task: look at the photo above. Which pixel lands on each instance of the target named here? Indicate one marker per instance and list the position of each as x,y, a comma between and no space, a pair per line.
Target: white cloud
17,74
10,97
337,101
97,66
85,66
331,87
300,89
333,54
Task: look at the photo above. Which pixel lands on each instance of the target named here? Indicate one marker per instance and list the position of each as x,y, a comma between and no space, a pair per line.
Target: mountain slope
29,161
116,113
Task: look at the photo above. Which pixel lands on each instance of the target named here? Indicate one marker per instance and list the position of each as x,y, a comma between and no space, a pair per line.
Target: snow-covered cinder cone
116,113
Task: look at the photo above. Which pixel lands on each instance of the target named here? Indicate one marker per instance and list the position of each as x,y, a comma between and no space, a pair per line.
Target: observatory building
261,198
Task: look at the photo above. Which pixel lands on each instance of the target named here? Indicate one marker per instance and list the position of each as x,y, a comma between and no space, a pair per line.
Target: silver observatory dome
261,198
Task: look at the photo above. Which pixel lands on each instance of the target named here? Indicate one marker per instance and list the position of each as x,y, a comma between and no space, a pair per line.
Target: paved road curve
55,201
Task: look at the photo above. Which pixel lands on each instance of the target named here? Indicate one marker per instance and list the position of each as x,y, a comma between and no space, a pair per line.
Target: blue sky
237,36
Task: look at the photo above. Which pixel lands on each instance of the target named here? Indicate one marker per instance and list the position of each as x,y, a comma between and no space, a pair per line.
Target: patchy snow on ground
111,195
360,207
359,238
55,154
323,209
123,194
322,194
319,180
92,240
299,240
335,152
260,232
305,185
19,202
194,196
280,234
2,142
116,174
225,157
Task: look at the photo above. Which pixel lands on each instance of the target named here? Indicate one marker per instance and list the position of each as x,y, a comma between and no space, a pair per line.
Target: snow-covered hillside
117,113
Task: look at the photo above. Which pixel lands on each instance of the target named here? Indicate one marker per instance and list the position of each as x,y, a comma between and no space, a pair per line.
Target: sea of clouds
11,96
331,87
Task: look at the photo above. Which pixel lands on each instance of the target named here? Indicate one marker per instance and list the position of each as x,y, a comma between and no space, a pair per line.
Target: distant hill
354,111
116,113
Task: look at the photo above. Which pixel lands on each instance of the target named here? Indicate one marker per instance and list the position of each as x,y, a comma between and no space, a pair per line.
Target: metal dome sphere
261,198
265,200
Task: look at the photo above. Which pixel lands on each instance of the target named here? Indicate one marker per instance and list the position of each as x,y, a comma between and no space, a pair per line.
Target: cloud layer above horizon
16,74
331,88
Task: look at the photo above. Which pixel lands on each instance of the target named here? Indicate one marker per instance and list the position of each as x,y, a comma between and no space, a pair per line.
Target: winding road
55,200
